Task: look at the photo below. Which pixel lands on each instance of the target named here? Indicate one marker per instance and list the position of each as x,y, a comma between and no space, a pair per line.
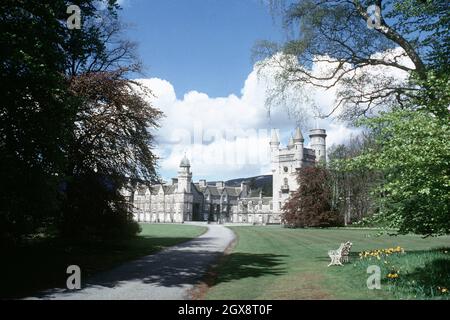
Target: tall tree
352,189
36,114
360,47
64,145
310,205
412,151
113,134
112,146
349,38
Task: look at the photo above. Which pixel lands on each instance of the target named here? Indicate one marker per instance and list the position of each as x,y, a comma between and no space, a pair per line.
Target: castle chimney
202,183
244,187
220,184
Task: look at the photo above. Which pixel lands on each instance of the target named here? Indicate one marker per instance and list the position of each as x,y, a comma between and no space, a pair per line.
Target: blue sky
202,45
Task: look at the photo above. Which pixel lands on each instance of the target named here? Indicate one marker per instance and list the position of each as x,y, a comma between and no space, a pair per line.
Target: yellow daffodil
444,290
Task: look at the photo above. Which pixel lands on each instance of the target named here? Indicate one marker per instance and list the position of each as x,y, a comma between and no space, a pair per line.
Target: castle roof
171,189
291,142
154,189
298,135
274,138
142,190
185,162
199,187
255,193
213,190
233,192
217,192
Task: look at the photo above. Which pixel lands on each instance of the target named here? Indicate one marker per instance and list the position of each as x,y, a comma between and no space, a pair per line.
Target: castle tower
298,145
285,164
291,143
318,143
275,156
184,198
274,148
184,176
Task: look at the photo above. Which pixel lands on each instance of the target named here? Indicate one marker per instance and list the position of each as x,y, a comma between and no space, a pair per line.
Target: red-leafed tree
310,205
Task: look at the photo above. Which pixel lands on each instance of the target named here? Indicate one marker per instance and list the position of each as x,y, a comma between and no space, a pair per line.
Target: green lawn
43,264
278,263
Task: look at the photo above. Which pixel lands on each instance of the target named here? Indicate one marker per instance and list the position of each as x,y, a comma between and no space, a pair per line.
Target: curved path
168,274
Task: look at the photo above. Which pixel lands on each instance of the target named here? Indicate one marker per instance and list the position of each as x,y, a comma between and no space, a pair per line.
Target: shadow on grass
420,273
184,264
435,273
42,265
432,273
249,265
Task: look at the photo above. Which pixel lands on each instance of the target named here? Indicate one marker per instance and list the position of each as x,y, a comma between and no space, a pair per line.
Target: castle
183,200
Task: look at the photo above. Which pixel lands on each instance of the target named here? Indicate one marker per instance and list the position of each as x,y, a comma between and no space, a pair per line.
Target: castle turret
184,197
318,143
274,149
298,143
184,176
274,140
291,143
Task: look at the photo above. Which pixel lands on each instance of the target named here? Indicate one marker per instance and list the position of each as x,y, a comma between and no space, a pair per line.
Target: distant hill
257,183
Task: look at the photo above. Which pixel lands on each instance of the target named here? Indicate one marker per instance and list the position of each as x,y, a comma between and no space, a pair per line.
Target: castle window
286,169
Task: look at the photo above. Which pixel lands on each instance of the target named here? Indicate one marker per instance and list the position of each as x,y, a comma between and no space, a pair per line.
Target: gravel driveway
166,275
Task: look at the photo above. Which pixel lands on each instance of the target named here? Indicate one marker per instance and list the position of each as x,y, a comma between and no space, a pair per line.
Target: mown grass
279,263
42,264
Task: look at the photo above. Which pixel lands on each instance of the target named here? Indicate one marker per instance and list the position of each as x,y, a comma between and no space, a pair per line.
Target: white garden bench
340,255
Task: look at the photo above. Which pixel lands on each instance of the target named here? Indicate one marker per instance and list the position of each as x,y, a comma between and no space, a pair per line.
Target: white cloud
225,137
339,133
228,137
343,79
